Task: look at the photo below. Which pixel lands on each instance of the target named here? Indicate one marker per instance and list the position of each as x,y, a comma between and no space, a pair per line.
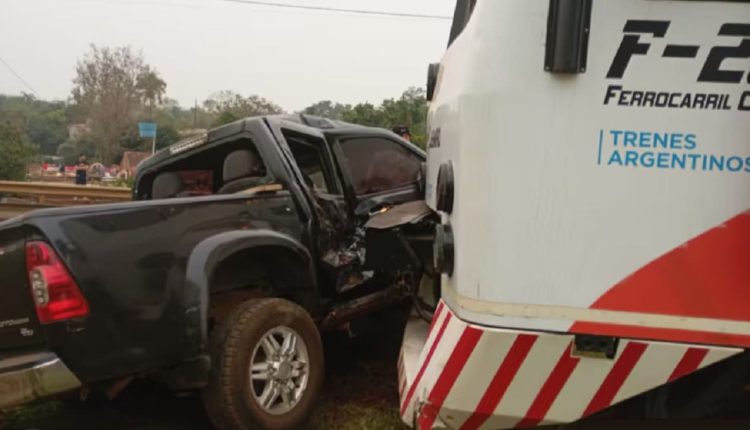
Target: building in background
130,160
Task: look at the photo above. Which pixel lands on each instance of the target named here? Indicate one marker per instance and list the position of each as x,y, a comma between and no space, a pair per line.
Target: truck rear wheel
267,367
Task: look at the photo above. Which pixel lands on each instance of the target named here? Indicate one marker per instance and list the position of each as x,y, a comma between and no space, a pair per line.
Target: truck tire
267,367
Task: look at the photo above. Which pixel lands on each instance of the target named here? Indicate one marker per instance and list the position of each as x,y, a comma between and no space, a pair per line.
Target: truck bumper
457,375
34,376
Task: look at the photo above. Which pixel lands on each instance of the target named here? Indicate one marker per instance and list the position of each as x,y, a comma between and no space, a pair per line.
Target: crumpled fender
204,259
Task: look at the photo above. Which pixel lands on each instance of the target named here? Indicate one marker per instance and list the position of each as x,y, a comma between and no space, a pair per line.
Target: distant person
82,168
403,131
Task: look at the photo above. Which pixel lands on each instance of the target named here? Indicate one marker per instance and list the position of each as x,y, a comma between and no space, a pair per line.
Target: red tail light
56,295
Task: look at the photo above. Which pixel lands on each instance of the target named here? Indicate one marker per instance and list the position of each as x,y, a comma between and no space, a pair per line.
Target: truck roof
236,127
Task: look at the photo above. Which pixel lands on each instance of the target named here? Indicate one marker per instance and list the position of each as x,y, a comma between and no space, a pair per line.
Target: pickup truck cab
238,246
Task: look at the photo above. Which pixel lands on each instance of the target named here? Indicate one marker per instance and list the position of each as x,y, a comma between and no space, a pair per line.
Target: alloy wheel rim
279,370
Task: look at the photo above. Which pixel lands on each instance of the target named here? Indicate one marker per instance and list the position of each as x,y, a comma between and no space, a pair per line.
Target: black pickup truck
238,248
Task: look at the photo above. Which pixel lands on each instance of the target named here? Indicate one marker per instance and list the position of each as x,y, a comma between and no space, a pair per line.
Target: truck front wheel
267,367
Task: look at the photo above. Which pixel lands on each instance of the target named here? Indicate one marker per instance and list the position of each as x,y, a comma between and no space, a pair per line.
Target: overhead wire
340,10
284,6
19,77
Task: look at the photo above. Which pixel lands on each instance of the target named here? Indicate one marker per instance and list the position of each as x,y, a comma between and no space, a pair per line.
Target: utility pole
195,115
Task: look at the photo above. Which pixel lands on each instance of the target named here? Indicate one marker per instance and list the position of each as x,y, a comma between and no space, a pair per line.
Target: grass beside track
360,393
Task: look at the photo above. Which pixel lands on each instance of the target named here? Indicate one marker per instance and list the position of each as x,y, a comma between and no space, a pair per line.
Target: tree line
114,89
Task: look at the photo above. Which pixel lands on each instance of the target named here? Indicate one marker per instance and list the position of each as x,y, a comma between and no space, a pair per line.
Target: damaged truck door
381,175
374,232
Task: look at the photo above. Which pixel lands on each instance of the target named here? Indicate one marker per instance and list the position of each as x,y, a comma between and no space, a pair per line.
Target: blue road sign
147,129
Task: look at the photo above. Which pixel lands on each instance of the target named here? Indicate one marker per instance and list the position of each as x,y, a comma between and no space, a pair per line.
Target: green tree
409,110
327,109
229,106
16,110
225,118
44,122
15,153
170,111
151,88
111,85
70,150
48,130
166,135
365,114
76,113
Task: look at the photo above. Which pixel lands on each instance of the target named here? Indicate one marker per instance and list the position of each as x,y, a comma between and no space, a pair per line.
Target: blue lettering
615,135
647,159
645,140
675,141
630,138
678,160
690,142
631,157
737,164
662,160
615,158
694,159
661,139
715,163
664,150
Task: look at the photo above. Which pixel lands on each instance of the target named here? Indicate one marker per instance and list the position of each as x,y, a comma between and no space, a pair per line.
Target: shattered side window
378,164
309,159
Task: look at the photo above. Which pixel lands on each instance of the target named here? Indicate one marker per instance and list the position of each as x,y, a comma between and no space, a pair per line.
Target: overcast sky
293,57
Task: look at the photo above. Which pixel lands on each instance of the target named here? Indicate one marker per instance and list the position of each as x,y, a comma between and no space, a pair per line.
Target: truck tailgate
19,326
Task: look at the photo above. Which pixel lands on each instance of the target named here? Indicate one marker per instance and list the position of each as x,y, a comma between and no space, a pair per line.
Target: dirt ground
360,393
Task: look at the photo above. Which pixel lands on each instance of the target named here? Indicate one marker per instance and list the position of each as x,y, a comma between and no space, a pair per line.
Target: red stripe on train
706,277
501,381
616,377
458,358
426,362
551,389
689,363
436,316
665,334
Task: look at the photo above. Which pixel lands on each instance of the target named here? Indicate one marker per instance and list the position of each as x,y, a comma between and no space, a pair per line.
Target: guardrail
43,190
38,195
11,210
